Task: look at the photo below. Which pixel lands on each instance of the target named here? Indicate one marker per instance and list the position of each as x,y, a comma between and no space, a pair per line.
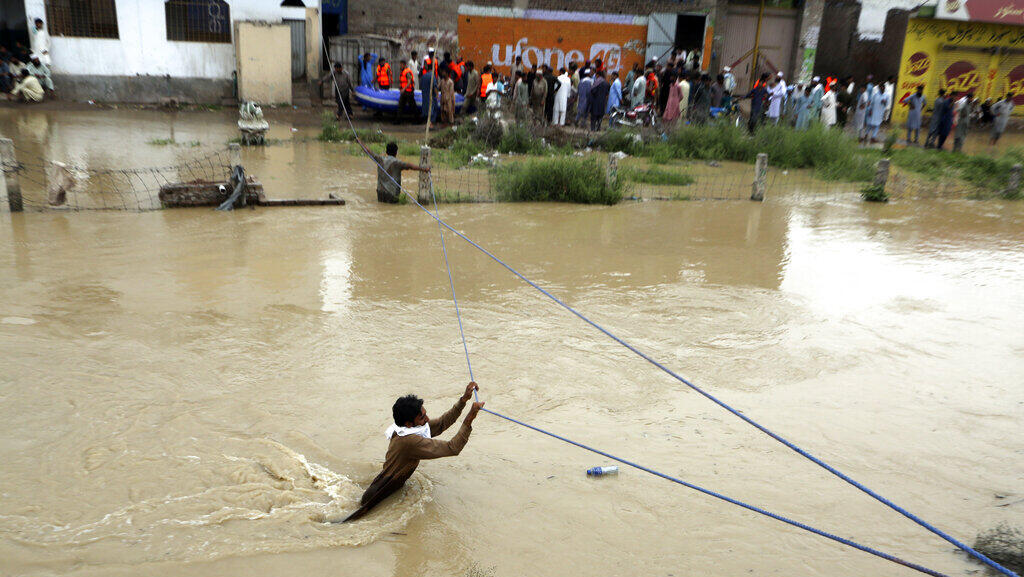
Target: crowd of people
25,71
952,115
675,92
579,94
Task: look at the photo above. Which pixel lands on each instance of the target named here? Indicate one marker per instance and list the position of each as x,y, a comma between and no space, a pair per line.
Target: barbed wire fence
54,185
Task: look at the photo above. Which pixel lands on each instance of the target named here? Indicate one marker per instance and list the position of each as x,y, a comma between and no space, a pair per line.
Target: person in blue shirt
366,68
615,94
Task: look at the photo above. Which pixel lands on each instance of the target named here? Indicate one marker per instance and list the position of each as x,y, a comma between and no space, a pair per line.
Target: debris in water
1004,545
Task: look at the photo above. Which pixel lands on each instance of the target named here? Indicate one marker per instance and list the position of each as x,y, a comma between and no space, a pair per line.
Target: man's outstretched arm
436,448
440,424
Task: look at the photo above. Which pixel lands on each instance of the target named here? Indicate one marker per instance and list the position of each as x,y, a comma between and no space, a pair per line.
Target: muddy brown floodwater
188,393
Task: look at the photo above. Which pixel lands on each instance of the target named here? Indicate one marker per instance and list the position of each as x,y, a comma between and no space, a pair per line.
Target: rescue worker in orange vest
382,75
406,98
485,80
460,75
430,61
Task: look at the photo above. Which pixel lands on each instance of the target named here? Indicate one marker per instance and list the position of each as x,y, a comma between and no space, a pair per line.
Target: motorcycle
638,116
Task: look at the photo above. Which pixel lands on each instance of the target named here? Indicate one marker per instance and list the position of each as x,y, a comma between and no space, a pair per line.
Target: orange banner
552,38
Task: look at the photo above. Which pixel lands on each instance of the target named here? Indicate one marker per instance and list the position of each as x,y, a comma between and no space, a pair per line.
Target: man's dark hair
407,408
38,21
337,65
942,92
392,150
415,54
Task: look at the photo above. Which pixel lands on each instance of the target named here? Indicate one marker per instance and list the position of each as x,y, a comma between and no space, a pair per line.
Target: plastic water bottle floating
600,471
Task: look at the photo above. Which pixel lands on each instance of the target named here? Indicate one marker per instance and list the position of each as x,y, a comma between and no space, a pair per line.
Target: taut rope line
444,225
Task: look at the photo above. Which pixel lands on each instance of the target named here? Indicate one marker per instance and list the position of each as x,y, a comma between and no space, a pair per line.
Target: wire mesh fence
51,185
698,180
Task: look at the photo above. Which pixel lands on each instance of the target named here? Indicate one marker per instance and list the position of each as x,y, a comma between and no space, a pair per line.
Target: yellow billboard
986,60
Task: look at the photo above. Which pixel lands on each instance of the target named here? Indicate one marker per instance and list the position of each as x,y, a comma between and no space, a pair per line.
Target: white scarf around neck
394,429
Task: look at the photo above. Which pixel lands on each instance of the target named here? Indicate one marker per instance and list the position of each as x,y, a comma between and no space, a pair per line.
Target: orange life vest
407,80
485,81
384,75
457,69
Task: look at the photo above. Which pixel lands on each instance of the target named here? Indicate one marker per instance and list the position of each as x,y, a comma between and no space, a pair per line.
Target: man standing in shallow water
389,173
411,440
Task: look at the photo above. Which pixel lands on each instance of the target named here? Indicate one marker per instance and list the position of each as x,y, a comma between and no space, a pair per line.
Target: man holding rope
389,173
411,440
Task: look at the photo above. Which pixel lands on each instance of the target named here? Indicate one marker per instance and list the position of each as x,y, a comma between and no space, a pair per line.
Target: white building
153,50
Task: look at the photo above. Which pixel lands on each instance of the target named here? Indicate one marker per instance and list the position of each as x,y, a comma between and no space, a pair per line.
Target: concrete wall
314,44
842,51
807,42
421,23
264,62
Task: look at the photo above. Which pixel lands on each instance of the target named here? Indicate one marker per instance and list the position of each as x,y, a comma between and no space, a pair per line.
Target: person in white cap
729,82
782,81
817,92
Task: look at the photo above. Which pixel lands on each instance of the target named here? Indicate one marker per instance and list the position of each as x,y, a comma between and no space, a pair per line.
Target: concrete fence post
1013,183
613,169
760,185
10,175
881,173
423,193
235,150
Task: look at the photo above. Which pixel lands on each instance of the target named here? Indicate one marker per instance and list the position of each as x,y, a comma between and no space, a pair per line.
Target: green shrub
716,141
619,140
829,152
986,172
557,180
408,149
890,143
655,175
874,193
519,140
330,131
460,153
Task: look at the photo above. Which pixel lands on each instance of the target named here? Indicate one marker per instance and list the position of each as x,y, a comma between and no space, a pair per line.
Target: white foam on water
272,500
17,321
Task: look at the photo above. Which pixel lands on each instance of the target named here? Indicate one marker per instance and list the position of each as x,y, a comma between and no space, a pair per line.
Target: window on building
84,18
198,20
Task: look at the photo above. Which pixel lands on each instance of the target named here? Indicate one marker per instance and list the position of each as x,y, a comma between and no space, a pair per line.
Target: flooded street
191,393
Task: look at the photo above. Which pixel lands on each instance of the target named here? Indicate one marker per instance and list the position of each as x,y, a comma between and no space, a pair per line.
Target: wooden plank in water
300,202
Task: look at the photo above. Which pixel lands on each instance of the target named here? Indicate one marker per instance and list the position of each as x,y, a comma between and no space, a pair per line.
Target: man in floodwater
411,440
389,187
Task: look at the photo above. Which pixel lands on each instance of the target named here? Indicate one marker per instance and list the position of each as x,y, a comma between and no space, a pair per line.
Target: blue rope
451,283
739,503
444,225
964,547
827,535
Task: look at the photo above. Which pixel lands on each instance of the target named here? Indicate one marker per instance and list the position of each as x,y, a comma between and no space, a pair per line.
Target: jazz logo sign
961,77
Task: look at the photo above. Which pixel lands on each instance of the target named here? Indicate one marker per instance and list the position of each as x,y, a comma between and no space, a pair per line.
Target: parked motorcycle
637,116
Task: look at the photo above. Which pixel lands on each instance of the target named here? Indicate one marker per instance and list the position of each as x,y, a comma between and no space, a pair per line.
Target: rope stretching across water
442,225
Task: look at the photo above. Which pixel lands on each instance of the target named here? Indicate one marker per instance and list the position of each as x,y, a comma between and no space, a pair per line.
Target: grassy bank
829,153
